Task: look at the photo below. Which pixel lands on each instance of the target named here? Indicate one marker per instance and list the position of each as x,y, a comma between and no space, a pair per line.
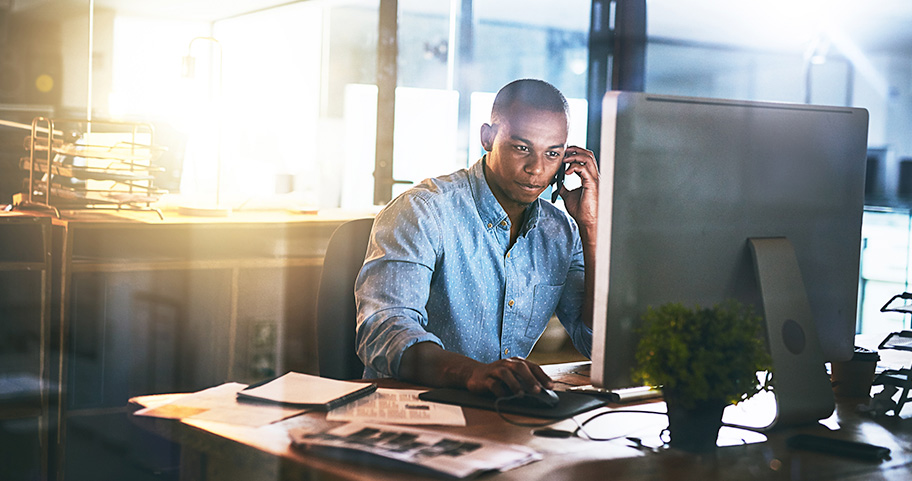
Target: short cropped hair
532,92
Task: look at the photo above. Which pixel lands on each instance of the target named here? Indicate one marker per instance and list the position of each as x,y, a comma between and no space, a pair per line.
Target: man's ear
488,132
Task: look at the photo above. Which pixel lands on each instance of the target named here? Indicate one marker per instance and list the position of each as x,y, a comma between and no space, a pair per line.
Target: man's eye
521,148
554,155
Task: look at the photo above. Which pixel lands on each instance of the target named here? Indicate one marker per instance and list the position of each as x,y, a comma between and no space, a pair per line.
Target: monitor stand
801,384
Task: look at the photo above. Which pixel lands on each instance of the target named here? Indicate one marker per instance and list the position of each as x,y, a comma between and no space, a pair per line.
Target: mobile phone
558,182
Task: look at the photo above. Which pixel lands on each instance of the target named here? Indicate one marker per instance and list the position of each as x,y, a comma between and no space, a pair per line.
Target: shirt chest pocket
544,301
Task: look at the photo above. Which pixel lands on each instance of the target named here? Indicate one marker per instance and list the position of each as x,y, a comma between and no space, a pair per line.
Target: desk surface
220,451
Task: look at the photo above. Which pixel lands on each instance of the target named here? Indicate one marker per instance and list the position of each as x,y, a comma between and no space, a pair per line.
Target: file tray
901,341
570,403
905,308
901,378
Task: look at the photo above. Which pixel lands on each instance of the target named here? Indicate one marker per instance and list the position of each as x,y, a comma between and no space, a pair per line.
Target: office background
285,101
295,101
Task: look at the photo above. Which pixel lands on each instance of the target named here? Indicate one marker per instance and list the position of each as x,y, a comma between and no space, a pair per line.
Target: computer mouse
545,398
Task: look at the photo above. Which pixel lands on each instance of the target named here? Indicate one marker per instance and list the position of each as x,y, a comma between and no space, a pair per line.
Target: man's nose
536,165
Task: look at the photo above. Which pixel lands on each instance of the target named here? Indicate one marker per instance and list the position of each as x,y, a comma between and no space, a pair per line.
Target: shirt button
508,255
490,225
510,303
503,223
507,351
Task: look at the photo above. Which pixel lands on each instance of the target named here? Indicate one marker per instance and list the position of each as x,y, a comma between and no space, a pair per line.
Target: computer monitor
686,182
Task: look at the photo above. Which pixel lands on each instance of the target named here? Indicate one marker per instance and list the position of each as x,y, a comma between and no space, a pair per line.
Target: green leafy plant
703,354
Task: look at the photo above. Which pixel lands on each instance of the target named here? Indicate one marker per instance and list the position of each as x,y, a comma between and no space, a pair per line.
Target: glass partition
817,53
293,107
885,268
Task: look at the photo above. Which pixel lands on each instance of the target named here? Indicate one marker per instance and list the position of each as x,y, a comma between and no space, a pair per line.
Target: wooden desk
25,339
212,298
133,304
224,452
150,305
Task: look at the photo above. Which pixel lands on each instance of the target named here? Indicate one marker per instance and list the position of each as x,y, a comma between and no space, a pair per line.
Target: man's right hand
428,364
506,377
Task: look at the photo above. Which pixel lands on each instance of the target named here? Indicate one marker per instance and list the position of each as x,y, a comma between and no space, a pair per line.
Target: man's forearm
427,364
587,236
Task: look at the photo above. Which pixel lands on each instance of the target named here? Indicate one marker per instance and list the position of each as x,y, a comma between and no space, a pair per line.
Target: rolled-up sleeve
391,291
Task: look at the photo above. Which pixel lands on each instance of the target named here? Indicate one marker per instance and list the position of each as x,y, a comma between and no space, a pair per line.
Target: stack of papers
421,450
273,400
219,404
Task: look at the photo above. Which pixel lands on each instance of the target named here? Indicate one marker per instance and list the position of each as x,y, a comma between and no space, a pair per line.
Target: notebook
306,392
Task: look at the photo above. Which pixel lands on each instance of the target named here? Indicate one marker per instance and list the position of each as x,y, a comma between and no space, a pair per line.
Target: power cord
581,426
518,423
559,433
581,432
581,429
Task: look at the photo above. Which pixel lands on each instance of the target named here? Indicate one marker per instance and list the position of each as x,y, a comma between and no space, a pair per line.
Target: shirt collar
489,209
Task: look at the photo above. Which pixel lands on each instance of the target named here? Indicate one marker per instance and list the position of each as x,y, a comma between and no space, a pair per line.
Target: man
463,271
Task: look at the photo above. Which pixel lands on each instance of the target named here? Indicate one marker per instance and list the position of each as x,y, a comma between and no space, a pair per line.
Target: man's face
525,149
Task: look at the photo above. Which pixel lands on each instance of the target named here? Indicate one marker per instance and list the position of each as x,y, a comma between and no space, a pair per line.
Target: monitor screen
687,181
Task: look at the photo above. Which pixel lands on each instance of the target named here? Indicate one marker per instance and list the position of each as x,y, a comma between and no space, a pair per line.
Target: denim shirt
439,268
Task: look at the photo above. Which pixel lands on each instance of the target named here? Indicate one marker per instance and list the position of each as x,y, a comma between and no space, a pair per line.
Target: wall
886,91
74,45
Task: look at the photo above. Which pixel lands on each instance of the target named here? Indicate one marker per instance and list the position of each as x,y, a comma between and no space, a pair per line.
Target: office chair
336,312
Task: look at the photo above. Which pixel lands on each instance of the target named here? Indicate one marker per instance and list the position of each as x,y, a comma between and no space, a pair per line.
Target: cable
664,436
518,423
746,428
566,434
580,429
581,426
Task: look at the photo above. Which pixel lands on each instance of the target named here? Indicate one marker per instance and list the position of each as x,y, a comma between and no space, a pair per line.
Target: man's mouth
530,187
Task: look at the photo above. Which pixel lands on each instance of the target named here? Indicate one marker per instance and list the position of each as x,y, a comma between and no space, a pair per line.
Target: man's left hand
582,202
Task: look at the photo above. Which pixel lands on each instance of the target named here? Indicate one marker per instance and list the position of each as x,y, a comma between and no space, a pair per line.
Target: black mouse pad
570,404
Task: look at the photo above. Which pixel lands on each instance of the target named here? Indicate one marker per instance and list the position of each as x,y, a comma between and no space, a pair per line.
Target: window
453,60
282,109
294,112
826,53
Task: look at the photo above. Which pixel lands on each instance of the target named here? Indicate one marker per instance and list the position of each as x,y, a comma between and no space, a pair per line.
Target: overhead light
817,51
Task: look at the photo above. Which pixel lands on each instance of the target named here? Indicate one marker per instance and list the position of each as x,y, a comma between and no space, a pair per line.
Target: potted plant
703,359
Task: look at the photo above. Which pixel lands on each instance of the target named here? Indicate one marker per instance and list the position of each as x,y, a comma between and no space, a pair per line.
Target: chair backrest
336,312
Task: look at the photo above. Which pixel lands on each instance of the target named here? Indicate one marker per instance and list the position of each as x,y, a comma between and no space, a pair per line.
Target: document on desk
219,404
304,391
398,406
415,449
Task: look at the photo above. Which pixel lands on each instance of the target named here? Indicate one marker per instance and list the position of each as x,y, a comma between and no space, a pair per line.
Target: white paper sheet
398,406
219,404
298,388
